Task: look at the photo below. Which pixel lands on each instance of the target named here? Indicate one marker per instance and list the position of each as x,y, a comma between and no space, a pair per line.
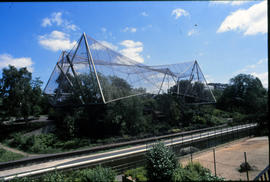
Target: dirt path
230,156
16,151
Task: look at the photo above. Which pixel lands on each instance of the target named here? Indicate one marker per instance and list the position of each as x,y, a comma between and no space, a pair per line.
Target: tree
160,163
20,95
245,94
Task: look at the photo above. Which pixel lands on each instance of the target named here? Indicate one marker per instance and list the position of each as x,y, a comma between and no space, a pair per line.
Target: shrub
36,111
196,172
237,117
199,120
160,163
24,179
139,174
197,167
8,156
181,174
54,177
98,174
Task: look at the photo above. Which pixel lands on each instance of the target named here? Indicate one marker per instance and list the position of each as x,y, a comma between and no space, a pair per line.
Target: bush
196,172
8,156
139,174
54,177
98,174
36,111
181,174
160,163
42,143
237,117
24,179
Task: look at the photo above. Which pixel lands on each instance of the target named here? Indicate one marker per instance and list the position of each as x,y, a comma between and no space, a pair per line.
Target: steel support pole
162,83
206,82
90,58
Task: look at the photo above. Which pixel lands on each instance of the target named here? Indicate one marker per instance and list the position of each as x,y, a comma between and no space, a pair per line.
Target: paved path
230,156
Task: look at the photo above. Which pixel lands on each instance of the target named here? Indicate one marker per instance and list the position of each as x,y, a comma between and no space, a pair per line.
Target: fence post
215,137
221,134
236,131
214,153
190,154
208,139
245,155
182,139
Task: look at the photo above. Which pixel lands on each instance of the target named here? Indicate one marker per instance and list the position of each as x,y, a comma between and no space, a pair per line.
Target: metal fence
264,175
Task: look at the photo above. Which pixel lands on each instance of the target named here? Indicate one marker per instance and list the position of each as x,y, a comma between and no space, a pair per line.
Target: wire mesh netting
91,73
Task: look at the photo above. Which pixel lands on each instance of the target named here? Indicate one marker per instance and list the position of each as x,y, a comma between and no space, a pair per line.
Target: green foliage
42,143
36,111
181,174
139,174
193,172
245,94
24,179
9,156
160,163
238,117
20,95
98,174
54,177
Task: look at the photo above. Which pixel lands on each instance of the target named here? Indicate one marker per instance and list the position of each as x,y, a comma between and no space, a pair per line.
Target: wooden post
214,153
245,155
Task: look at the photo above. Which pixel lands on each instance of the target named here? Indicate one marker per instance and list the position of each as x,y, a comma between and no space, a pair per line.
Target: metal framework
91,73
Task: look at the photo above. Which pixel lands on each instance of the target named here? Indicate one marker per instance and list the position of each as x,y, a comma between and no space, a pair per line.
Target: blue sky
225,37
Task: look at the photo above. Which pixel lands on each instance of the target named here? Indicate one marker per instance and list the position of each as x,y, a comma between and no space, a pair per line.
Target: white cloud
258,69
232,3
179,12
144,14
72,27
130,29
251,67
102,45
46,22
251,21
103,29
146,27
56,19
131,43
132,50
262,61
192,32
238,2
209,78
263,77
7,59
56,41
109,45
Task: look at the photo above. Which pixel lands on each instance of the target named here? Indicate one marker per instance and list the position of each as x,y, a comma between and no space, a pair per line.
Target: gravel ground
230,156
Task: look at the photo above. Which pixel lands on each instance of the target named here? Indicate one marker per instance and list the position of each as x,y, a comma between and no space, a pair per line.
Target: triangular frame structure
107,72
